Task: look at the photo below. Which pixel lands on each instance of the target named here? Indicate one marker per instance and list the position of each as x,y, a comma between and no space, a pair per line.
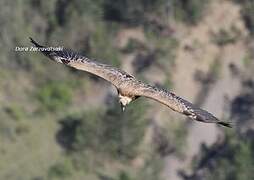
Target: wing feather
77,61
129,86
178,104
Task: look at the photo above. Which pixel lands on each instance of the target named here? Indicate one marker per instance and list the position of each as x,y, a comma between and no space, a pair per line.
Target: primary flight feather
128,87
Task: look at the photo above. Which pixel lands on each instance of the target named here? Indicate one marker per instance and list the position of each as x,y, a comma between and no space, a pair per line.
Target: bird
128,87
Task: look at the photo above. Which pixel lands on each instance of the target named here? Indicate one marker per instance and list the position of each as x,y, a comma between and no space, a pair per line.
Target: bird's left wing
176,103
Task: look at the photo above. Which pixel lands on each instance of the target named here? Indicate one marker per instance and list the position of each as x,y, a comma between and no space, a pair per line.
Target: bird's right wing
70,58
177,104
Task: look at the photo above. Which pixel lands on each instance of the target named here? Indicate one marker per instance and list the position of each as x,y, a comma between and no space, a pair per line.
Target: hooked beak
122,107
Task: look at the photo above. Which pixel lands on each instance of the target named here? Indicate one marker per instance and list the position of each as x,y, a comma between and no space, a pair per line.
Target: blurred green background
60,123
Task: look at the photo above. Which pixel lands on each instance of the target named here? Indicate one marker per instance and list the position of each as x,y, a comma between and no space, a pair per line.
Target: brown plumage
128,87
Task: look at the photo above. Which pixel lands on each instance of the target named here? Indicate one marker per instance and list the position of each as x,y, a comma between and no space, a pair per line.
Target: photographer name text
25,48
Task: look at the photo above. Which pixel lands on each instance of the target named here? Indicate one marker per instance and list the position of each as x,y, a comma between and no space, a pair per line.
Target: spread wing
128,85
70,58
177,103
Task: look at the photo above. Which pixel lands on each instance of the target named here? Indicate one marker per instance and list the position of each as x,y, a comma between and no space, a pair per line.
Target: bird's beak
122,107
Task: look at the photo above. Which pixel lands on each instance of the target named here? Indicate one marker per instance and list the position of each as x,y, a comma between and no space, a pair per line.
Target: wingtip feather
206,117
226,124
34,42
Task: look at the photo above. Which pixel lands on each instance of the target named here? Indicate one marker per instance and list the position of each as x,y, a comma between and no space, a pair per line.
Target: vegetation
247,13
59,123
190,11
60,171
90,130
224,37
231,159
54,96
135,12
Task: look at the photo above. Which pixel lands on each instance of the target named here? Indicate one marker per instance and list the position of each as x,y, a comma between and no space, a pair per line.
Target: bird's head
124,101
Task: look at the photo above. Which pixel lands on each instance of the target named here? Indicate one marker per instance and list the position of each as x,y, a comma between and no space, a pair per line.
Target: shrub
133,45
123,11
90,131
123,176
60,171
247,13
132,12
66,136
124,131
113,132
54,96
189,11
16,112
224,37
101,44
230,159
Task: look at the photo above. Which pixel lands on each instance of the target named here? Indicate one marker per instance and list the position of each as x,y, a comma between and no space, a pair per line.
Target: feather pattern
128,86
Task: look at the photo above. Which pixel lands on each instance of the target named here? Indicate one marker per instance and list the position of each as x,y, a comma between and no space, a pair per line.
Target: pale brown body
128,87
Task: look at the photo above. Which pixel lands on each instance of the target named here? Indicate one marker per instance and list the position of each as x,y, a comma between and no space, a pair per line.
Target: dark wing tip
226,124
47,53
34,42
206,117
31,40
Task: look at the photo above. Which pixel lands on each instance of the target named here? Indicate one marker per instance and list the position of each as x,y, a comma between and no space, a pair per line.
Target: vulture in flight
128,87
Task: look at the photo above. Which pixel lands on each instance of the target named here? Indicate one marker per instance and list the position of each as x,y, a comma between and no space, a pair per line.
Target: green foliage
247,60
60,171
190,11
168,83
89,133
123,176
101,44
244,160
179,135
7,129
67,10
233,160
150,171
97,134
152,168
171,138
135,12
22,128
96,138
164,50
122,131
133,45
224,37
132,12
15,112
54,96
215,69
247,13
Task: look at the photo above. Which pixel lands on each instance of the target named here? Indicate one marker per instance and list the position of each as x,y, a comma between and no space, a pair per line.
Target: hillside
60,123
